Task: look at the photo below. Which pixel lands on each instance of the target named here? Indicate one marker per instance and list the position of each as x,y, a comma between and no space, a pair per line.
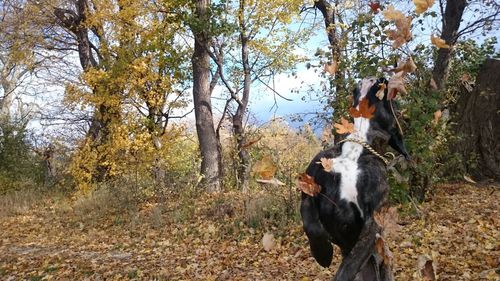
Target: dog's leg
321,247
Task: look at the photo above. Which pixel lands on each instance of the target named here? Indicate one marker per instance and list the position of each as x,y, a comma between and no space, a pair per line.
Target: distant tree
257,45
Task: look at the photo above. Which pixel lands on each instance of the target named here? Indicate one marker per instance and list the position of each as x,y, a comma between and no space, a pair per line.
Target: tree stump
368,260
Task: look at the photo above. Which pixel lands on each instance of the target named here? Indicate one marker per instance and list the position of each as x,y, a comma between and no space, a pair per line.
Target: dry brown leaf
465,77
331,67
365,110
438,42
392,14
402,33
326,134
423,5
408,66
251,142
326,163
388,218
396,85
344,127
264,168
268,241
307,185
433,84
437,116
383,250
426,268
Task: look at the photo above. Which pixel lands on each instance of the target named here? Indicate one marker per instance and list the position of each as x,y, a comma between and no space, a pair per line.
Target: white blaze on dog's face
347,163
364,86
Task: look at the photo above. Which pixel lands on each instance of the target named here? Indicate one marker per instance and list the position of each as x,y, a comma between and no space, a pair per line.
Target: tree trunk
364,262
211,162
451,23
104,115
477,121
238,129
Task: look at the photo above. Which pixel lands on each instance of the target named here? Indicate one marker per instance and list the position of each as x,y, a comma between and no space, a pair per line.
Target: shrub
19,165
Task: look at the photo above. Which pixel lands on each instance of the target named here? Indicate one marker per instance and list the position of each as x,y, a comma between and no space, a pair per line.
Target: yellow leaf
344,127
423,5
264,168
438,42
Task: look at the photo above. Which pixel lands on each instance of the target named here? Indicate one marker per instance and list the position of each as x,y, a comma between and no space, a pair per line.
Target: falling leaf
326,134
326,163
383,250
273,181
465,77
250,143
423,5
331,67
402,33
374,6
437,116
344,127
264,168
469,179
433,84
365,110
438,42
388,218
396,85
408,66
391,14
426,268
268,241
307,185
381,92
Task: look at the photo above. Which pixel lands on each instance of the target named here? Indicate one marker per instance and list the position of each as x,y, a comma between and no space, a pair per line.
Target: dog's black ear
382,80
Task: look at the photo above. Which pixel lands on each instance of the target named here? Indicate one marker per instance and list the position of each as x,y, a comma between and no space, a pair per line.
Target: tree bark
363,263
238,129
211,160
477,121
451,23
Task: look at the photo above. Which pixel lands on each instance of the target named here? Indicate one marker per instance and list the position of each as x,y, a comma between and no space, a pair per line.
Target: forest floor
209,238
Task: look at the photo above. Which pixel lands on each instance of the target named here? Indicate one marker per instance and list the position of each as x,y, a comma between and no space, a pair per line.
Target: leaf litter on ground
456,231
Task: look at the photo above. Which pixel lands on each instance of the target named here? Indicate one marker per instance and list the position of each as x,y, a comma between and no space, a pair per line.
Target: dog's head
383,124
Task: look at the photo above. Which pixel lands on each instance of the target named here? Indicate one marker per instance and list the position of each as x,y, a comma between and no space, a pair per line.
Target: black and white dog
356,186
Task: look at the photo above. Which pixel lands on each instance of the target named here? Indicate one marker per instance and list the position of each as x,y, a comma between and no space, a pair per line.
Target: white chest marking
347,163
